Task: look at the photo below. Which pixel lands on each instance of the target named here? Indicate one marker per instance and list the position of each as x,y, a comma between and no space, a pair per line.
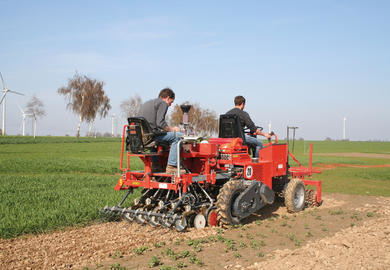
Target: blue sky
298,63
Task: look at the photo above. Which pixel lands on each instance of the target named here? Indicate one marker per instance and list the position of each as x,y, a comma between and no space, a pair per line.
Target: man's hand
267,135
175,129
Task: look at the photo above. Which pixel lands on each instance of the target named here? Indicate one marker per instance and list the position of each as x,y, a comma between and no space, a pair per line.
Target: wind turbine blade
4,86
15,92
3,97
20,108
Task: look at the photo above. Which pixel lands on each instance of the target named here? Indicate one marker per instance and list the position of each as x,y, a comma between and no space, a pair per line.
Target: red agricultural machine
223,183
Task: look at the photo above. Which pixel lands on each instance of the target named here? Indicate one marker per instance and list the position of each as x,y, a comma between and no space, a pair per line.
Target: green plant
166,267
219,230
117,254
242,245
159,244
141,250
184,254
117,266
181,265
309,234
155,261
370,214
336,212
355,216
195,260
231,245
237,255
254,244
260,254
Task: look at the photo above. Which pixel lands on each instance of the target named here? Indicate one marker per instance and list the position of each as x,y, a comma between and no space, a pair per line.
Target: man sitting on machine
154,112
246,121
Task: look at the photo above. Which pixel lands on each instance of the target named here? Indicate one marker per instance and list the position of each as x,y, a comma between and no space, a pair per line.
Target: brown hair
238,100
167,92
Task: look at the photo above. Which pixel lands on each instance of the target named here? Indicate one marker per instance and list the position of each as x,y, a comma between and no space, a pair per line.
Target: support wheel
294,198
225,201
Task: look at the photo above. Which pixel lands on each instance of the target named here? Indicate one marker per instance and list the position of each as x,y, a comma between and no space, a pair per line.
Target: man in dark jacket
246,121
154,112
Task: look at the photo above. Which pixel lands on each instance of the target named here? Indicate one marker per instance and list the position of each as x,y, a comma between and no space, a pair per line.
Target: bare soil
345,232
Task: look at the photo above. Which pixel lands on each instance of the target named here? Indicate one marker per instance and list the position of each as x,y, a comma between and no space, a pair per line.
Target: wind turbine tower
269,127
344,137
113,117
23,119
3,100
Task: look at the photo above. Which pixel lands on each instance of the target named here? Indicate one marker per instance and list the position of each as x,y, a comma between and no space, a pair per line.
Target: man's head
239,102
167,95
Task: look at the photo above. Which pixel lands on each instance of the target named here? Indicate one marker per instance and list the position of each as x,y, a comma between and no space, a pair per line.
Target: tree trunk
90,128
35,126
78,128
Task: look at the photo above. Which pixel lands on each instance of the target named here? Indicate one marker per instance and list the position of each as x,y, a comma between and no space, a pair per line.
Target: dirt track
334,244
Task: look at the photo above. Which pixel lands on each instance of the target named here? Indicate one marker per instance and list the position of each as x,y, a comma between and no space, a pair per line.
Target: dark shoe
157,168
173,170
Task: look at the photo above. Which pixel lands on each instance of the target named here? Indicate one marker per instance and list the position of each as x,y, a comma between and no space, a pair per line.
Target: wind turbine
24,118
113,117
3,99
344,137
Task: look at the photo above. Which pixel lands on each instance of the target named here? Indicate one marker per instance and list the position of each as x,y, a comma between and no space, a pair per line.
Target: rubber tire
225,201
295,188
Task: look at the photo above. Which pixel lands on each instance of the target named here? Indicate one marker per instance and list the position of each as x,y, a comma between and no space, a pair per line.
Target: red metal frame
202,161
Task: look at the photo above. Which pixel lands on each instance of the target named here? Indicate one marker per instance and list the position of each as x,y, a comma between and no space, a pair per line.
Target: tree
130,107
202,121
35,108
86,98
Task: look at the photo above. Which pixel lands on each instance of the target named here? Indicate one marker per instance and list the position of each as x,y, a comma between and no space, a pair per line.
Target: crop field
58,182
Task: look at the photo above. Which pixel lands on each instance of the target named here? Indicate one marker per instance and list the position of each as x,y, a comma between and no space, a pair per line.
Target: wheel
200,221
225,201
311,198
295,194
181,224
212,218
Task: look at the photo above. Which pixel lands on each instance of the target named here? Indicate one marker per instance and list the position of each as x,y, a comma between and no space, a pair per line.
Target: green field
56,182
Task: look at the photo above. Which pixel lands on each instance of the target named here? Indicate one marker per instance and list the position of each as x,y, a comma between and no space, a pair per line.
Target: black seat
140,136
230,127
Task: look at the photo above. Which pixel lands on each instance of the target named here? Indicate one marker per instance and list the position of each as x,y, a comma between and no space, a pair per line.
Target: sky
306,63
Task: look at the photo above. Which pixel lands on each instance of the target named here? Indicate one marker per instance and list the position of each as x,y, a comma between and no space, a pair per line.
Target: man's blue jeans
255,142
172,138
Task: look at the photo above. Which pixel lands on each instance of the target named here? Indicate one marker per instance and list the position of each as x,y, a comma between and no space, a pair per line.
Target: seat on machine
230,127
140,136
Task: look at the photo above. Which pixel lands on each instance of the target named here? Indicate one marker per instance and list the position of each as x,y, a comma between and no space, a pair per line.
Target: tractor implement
222,184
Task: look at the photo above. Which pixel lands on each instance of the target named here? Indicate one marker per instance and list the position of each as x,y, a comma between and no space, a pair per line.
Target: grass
359,181
56,182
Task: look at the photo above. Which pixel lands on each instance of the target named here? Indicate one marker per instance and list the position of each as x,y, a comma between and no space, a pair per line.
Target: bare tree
35,107
203,121
130,107
86,98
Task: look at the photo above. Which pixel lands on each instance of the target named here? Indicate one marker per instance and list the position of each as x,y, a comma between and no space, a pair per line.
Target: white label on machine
163,185
249,171
280,166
